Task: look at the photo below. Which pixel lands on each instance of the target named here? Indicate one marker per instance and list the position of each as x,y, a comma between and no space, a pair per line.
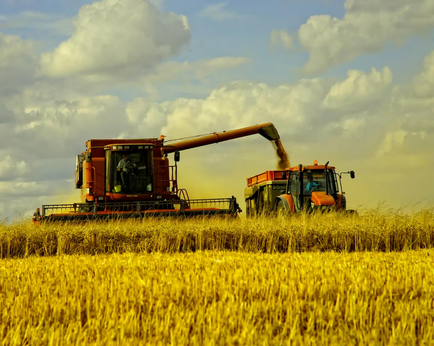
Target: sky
350,82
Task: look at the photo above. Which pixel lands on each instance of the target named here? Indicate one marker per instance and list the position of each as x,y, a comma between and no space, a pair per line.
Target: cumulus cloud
423,84
148,117
412,118
359,89
218,12
100,47
10,168
392,140
22,189
362,122
188,71
49,124
280,38
301,108
366,27
17,64
304,113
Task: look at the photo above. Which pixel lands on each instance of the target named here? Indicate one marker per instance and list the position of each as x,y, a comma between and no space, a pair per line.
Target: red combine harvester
300,188
133,178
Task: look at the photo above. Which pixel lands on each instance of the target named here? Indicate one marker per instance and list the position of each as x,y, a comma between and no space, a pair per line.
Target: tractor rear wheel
280,210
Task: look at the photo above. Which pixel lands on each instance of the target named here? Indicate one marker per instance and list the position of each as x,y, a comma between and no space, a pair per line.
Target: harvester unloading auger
133,178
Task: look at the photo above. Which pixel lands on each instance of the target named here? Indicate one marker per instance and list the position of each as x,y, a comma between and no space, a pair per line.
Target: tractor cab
312,180
312,187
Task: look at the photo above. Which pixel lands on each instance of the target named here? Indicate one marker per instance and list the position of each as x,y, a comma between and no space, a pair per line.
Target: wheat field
373,231
310,280
219,298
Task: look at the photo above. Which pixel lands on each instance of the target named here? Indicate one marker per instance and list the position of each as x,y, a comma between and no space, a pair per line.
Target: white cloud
10,168
366,27
14,51
392,140
235,105
218,12
188,71
362,122
148,117
280,38
423,84
304,111
48,123
100,46
29,188
359,90
17,63
157,3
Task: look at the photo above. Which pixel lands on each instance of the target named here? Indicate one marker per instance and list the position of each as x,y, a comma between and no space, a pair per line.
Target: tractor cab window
129,172
315,180
294,183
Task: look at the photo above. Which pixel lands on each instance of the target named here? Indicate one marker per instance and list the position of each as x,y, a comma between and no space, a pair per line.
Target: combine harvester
300,188
133,178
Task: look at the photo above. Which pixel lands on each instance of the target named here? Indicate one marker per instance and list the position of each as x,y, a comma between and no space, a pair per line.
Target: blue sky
346,81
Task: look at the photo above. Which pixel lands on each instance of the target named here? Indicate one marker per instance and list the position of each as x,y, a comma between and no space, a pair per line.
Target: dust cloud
283,159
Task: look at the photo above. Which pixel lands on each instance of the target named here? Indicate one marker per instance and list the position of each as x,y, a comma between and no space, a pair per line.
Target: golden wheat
219,298
334,232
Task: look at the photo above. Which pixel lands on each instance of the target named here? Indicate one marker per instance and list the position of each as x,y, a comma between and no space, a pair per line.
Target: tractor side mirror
352,174
177,156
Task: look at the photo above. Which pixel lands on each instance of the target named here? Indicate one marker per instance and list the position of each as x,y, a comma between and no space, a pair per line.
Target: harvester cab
300,188
133,178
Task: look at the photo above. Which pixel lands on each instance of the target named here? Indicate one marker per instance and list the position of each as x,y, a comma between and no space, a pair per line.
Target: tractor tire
281,212
351,212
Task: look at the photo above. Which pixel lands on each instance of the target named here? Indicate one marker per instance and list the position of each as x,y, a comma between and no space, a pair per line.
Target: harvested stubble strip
333,232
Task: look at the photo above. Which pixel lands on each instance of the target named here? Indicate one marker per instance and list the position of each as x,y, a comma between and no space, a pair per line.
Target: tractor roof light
315,163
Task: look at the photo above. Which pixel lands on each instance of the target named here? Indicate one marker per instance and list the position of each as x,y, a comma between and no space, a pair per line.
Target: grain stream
282,156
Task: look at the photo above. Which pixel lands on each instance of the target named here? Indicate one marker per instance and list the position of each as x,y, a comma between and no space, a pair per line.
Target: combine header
300,188
133,178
